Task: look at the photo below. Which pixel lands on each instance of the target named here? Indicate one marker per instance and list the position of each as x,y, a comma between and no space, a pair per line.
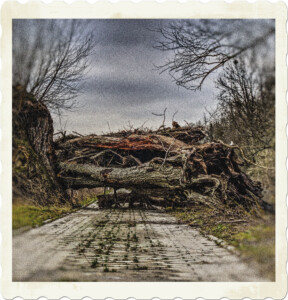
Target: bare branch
201,47
51,62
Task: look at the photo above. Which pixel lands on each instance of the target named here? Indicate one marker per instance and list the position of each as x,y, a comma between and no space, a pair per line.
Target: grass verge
253,237
28,216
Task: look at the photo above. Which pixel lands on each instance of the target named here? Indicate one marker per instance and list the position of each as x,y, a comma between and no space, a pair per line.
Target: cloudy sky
123,85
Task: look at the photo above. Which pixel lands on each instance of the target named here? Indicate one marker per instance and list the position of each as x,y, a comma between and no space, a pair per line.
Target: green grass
258,242
254,238
32,216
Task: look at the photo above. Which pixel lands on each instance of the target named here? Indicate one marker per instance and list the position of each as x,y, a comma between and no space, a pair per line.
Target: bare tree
245,112
50,58
201,47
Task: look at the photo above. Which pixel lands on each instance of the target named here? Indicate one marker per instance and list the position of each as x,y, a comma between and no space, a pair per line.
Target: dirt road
122,245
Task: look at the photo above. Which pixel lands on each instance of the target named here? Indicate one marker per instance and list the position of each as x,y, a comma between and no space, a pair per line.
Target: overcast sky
123,84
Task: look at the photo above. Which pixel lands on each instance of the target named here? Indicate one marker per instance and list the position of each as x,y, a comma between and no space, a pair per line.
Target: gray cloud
123,83
123,32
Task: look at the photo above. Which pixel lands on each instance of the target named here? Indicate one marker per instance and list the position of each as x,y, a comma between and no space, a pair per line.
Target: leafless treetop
200,47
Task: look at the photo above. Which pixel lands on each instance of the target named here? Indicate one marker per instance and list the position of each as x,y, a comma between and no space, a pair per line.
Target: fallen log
188,135
145,176
133,142
129,151
167,165
207,173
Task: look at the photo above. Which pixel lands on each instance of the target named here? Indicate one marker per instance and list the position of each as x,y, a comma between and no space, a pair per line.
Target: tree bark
160,166
145,176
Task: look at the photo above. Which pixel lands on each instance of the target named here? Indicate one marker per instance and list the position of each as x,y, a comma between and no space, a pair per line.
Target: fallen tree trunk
164,165
160,184
86,175
144,177
208,173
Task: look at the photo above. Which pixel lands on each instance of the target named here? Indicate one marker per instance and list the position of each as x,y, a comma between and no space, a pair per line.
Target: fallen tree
157,166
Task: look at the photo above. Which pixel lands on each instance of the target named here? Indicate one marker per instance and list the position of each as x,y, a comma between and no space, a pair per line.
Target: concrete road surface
123,245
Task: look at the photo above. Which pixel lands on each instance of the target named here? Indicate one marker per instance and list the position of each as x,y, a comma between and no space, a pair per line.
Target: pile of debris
172,167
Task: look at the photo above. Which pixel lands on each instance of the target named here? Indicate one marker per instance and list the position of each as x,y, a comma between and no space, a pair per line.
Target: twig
109,127
232,221
174,115
135,159
161,143
243,155
161,115
59,132
166,153
77,133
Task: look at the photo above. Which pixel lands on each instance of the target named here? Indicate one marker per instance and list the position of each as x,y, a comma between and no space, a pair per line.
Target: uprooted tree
168,167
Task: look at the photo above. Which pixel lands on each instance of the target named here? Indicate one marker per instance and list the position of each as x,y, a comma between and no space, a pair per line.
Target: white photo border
151,10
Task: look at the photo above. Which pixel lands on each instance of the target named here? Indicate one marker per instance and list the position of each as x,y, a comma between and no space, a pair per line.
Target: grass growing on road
253,237
24,215
258,242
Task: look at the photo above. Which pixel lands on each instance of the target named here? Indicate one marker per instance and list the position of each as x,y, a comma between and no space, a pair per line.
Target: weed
106,269
98,251
131,224
88,243
135,238
140,268
256,242
159,244
94,263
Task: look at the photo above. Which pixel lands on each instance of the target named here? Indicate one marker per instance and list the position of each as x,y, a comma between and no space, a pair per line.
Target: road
123,245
